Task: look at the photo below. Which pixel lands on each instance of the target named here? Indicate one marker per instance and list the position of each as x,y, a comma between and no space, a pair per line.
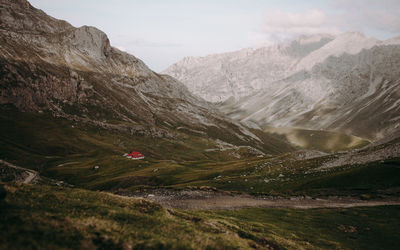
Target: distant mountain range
49,66
348,83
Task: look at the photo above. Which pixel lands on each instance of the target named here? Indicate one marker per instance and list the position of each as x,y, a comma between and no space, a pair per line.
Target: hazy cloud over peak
279,25
383,15
379,18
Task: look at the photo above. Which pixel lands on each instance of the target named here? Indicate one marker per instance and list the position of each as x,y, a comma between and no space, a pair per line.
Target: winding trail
200,200
32,174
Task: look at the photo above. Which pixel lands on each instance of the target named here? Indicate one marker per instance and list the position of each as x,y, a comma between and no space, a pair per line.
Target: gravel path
32,174
210,200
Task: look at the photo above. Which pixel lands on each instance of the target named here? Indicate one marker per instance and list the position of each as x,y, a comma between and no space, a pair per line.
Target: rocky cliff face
347,83
47,65
242,73
357,94
234,75
57,42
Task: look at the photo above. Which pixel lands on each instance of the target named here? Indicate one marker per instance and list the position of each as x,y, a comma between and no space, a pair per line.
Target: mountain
357,94
48,66
349,42
348,83
239,73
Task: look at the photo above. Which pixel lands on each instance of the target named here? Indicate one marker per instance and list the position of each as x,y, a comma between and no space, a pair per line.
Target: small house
135,155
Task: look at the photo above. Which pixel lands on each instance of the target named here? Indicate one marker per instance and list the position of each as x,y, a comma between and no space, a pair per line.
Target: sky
162,32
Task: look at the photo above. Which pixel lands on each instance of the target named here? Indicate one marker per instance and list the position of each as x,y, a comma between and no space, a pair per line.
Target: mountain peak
392,41
307,39
92,41
353,35
349,42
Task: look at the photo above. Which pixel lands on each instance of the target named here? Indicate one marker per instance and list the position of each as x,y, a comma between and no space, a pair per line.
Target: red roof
135,154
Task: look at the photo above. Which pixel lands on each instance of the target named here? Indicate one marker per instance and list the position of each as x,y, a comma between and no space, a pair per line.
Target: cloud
373,17
278,25
145,43
126,42
383,15
121,48
279,20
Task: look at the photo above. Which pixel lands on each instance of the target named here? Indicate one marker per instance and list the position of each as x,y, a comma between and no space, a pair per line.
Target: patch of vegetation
369,180
356,228
287,177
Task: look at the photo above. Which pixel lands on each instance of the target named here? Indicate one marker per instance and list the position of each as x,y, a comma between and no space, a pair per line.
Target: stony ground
216,200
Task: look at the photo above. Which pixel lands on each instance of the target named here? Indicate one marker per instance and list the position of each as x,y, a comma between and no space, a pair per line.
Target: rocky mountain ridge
47,65
237,74
356,94
347,83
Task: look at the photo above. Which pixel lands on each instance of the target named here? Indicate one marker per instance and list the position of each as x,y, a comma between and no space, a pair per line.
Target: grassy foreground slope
35,217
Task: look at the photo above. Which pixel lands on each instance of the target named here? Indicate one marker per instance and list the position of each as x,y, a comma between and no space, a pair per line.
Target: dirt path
208,200
32,174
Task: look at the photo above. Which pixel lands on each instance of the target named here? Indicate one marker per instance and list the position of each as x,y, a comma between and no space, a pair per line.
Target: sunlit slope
326,141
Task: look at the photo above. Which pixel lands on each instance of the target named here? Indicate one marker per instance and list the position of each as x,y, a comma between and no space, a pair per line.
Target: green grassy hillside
373,179
43,217
284,176
68,151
